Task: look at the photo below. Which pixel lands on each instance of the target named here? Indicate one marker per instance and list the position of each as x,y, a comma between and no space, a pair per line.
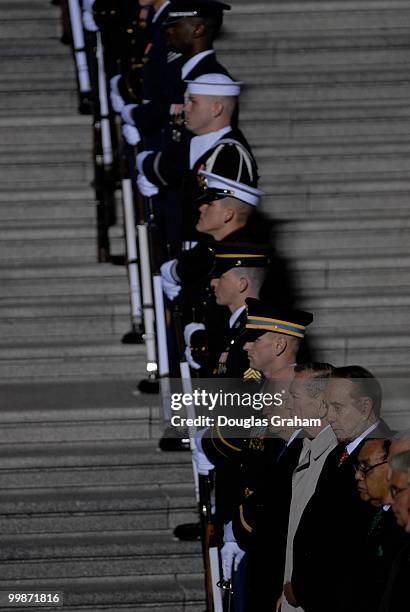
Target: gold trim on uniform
244,523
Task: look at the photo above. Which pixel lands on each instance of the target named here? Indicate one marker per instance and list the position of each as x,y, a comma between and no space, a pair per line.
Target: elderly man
396,595
384,536
307,391
333,527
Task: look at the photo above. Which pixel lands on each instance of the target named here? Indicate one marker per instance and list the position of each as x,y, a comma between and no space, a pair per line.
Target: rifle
203,487
83,77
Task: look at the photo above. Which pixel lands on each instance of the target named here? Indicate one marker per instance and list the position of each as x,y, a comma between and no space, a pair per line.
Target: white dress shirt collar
160,10
355,443
235,316
193,61
201,144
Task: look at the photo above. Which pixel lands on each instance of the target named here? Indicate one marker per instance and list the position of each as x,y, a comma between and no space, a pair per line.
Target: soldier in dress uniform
239,273
240,462
217,146
142,80
190,28
225,212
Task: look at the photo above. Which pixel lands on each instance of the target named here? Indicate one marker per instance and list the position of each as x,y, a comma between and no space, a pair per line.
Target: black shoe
118,260
171,445
148,385
85,105
188,532
133,337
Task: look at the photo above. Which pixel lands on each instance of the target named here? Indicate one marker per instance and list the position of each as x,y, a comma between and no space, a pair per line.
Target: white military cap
214,85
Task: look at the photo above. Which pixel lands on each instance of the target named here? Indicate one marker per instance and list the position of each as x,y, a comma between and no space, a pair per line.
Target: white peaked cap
231,188
214,85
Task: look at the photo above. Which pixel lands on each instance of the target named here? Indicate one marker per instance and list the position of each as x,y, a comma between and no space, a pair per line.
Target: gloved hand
88,5
190,329
203,465
117,102
131,134
139,160
231,554
126,114
145,187
171,290
168,271
188,356
88,22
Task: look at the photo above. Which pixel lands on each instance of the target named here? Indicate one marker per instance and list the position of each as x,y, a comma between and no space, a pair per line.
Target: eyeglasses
395,491
365,469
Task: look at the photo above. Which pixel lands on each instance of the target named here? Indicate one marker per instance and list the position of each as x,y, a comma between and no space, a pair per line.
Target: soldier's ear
218,108
243,284
200,30
280,344
229,214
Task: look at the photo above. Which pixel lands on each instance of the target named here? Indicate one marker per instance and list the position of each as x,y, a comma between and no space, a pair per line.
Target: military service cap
214,85
180,9
236,255
263,317
217,187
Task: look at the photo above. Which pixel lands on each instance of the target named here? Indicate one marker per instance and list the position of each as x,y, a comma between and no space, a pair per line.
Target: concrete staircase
87,504
327,111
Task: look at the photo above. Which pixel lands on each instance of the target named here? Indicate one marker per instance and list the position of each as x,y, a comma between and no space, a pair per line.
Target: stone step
78,555
89,358
53,172
322,56
294,16
276,166
36,130
82,456
365,348
232,41
174,591
305,128
44,101
49,210
57,249
98,476
348,272
318,237
49,501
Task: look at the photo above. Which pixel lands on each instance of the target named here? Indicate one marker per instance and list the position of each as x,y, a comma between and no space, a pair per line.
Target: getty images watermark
201,400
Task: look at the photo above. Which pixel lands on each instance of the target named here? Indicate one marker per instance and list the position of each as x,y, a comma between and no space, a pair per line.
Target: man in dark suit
333,528
384,536
396,595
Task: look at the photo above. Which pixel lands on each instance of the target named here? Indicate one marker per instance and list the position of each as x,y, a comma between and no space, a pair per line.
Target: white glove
114,84
201,461
188,356
231,554
126,113
171,290
167,271
117,102
190,329
88,22
140,160
131,134
88,5
145,187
